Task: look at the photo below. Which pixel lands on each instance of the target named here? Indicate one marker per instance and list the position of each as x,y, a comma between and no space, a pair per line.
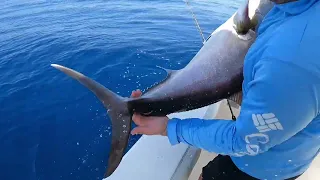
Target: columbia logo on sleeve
266,122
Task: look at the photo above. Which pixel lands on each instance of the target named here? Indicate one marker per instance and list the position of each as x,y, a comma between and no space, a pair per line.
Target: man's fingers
141,130
138,119
136,93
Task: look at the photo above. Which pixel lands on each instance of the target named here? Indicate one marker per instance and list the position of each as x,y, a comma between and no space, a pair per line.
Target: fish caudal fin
117,111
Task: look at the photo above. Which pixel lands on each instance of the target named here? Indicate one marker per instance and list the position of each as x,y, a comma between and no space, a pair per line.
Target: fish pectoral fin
241,20
118,112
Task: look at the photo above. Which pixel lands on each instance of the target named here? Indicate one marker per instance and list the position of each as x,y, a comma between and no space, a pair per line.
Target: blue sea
51,127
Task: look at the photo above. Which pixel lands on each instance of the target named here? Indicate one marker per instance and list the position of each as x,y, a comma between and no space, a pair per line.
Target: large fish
215,73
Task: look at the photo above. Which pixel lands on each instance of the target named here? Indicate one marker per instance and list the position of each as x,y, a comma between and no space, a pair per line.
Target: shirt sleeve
279,102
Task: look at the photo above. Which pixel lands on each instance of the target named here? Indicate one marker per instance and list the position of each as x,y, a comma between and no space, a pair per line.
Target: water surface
51,127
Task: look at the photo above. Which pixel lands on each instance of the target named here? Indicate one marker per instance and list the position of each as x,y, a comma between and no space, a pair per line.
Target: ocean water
51,127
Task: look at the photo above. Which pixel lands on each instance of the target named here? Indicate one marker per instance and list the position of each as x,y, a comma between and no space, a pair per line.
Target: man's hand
149,125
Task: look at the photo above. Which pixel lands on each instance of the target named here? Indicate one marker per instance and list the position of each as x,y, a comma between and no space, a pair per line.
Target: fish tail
118,112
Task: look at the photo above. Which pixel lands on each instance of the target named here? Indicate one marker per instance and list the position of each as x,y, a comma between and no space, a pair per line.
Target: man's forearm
212,135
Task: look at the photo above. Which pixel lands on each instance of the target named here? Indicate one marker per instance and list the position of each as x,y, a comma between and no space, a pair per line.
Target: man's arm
279,102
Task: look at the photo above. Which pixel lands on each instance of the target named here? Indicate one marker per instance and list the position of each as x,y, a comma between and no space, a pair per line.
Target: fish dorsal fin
170,73
241,20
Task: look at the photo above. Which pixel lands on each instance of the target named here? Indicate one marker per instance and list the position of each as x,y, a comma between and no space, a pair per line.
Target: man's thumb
139,130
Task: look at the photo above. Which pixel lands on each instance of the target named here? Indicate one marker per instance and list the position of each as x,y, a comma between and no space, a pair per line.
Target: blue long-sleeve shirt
277,133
